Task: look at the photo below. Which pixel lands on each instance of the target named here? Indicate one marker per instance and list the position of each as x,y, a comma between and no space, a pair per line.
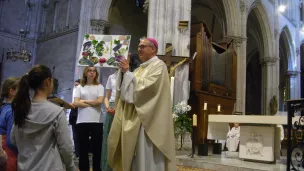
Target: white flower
181,108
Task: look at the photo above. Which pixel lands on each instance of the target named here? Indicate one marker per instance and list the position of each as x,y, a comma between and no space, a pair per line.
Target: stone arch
285,32
258,8
124,17
259,49
285,64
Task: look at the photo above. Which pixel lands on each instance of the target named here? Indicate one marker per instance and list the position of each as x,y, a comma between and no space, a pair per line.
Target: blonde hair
84,80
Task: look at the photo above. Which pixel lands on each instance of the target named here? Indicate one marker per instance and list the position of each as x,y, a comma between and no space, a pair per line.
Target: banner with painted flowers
103,50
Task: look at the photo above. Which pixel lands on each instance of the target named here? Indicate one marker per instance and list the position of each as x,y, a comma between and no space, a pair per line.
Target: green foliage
116,42
94,42
99,47
182,124
87,36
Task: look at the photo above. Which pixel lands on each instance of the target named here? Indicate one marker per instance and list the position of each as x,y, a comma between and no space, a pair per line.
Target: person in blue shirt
8,92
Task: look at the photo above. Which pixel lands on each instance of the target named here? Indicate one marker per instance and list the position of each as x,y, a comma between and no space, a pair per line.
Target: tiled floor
184,168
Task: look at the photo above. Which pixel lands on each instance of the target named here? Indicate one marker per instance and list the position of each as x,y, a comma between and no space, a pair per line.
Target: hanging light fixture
282,8
20,52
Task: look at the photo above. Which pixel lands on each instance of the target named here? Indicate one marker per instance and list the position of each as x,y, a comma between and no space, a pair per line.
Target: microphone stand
193,141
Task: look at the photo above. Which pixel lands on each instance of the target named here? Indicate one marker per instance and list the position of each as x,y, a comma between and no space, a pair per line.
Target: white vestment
233,139
147,157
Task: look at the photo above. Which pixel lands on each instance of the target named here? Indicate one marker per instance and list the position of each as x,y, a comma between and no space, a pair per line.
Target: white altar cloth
260,137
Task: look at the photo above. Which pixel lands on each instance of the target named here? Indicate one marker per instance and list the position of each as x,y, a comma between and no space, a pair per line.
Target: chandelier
20,52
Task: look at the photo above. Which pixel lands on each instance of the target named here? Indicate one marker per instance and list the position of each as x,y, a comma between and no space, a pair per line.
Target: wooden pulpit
60,102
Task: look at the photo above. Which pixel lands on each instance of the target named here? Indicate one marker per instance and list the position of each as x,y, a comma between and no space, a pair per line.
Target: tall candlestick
218,107
194,120
172,88
205,106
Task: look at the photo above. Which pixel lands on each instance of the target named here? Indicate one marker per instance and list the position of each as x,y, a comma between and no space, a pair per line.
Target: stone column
292,79
240,48
99,26
163,25
180,36
56,3
157,22
302,4
43,18
269,86
240,42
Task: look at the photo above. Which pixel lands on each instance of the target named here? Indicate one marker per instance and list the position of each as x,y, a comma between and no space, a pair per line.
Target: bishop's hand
124,65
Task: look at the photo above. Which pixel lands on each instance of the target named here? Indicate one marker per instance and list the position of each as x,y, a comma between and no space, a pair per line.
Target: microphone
53,70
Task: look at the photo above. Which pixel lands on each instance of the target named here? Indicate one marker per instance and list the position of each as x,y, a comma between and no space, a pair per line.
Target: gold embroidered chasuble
151,108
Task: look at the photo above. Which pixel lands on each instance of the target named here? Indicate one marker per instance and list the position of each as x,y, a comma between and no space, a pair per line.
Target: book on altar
103,50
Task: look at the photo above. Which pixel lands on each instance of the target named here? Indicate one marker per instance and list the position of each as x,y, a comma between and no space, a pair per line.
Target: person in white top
233,138
88,98
109,102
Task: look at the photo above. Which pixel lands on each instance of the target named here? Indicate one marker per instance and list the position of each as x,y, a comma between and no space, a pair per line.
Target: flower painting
103,50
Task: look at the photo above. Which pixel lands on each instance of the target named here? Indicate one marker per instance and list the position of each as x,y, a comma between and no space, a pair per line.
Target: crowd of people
35,134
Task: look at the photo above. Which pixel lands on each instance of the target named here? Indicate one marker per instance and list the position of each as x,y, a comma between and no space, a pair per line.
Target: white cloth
111,85
148,158
233,139
181,84
89,114
282,132
128,83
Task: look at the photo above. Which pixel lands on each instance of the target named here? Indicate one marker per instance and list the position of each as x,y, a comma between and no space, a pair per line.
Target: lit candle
172,88
205,106
194,120
218,107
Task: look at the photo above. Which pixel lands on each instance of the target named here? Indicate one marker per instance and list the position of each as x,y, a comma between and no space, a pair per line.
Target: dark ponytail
21,104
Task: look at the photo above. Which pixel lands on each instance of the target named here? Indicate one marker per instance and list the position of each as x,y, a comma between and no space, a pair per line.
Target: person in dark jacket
72,121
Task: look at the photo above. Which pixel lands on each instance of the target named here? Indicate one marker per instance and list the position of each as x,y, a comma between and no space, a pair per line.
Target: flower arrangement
182,122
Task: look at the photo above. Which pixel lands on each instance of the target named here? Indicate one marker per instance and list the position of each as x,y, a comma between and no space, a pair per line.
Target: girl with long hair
8,92
88,98
40,128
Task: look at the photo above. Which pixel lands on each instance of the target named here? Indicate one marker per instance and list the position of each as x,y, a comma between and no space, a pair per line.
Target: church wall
60,52
57,45
13,17
64,13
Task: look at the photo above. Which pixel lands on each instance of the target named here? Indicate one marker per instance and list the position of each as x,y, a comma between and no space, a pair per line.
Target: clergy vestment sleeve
127,87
